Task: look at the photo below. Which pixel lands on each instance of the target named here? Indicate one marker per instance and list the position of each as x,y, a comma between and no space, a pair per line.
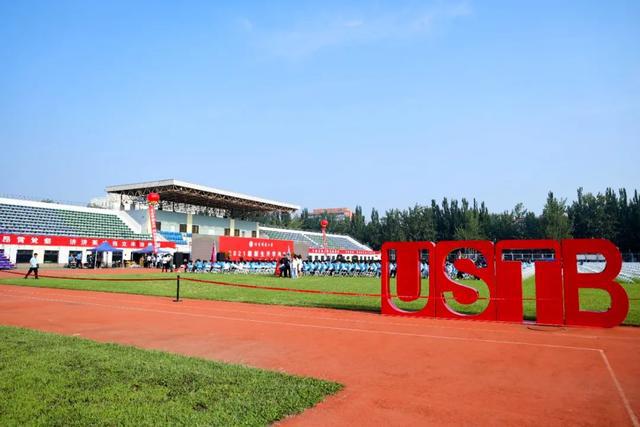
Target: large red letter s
461,293
604,280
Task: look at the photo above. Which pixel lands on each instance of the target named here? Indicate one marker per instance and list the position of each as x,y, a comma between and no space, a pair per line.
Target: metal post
177,289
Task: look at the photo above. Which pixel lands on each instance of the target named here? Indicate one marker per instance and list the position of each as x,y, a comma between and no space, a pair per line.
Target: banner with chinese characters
152,219
321,251
254,249
85,242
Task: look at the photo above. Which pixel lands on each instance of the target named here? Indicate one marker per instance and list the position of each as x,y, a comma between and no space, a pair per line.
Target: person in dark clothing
285,267
279,268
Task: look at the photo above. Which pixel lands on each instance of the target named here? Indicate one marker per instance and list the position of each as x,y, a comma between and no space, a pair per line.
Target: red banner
152,218
258,249
85,242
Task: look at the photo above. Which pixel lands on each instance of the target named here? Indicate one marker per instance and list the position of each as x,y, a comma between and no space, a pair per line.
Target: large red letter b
604,280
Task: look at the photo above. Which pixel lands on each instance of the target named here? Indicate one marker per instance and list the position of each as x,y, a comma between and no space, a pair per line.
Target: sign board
557,281
248,249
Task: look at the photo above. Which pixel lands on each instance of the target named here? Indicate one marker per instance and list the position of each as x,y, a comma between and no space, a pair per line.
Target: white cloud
460,9
300,41
353,23
245,24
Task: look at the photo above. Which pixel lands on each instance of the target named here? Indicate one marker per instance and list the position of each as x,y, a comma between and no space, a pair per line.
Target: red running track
396,371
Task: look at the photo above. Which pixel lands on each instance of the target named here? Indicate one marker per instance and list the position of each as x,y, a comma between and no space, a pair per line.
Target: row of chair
630,271
314,239
19,219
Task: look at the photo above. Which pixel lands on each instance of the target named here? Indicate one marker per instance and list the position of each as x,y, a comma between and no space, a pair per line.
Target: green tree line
609,215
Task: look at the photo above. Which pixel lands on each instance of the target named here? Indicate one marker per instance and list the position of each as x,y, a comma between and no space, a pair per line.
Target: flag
213,252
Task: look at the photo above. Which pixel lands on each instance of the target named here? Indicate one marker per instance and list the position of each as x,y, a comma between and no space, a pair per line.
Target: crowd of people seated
294,266
242,267
342,268
287,267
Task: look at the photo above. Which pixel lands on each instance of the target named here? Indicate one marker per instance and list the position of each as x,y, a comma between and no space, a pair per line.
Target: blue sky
322,104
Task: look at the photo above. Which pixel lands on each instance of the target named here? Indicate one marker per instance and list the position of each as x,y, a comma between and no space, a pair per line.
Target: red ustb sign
557,280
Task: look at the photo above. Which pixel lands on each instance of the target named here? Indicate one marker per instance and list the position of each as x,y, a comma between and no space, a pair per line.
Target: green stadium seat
64,222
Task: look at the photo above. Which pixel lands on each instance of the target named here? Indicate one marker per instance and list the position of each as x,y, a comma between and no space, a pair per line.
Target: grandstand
187,196
38,218
5,263
337,244
334,241
57,230
176,237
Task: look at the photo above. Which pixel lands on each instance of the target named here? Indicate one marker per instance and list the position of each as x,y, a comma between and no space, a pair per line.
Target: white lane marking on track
307,325
621,393
293,314
432,326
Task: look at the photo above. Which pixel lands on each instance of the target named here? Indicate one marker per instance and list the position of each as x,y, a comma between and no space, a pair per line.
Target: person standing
294,267
79,260
300,270
287,267
167,263
33,266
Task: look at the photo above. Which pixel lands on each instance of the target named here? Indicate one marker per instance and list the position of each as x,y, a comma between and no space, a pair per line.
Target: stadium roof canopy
172,190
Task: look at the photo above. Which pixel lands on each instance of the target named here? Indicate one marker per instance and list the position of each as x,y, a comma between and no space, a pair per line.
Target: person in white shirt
167,263
299,266
33,266
294,267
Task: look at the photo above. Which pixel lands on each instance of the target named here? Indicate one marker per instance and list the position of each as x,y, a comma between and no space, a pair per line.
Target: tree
609,215
470,230
374,231
634,221
518,215
532,227
357,227
555,222
417,223
501,226
579,216
391,226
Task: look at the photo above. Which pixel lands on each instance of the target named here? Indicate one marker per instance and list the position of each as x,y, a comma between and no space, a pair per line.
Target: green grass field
47,379
590,299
